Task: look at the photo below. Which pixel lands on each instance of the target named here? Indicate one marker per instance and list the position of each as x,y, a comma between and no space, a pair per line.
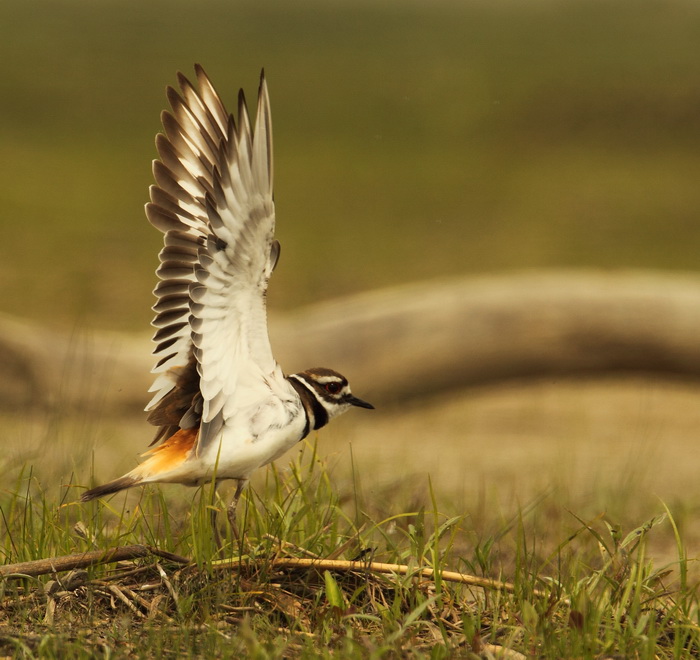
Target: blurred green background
412,140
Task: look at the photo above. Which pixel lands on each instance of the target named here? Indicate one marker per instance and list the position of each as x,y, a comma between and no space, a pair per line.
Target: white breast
255,436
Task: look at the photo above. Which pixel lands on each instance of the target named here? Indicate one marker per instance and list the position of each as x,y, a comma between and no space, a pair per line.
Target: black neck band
312,406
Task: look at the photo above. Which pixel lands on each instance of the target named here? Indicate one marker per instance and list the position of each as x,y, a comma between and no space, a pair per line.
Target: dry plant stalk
85,559
340,565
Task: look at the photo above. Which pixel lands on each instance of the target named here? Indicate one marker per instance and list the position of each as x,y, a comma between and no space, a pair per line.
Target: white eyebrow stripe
327,379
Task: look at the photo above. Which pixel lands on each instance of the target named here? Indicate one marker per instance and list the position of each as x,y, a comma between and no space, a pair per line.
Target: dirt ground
619,447
639,435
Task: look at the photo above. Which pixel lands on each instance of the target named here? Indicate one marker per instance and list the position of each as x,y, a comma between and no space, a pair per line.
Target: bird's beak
354,401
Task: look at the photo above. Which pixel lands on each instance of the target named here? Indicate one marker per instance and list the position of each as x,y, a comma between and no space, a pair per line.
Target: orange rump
163,458
169,454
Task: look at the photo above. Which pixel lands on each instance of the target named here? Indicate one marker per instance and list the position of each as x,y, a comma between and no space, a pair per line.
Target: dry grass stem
83,560
378,567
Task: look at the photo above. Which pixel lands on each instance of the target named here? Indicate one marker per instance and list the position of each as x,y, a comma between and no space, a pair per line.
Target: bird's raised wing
213,201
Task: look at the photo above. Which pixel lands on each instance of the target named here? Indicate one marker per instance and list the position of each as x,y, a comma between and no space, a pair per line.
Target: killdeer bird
222,404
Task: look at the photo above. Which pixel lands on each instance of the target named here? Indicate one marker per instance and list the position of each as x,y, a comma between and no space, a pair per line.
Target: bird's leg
212,518
231,510
215,528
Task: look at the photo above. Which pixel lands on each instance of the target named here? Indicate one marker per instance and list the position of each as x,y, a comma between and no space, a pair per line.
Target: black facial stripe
310,395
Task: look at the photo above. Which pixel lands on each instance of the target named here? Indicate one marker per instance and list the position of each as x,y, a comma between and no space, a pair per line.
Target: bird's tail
161,460
127,481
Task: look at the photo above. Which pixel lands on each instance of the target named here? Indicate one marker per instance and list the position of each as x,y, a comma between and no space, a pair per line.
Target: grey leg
215,528
212,519
231,510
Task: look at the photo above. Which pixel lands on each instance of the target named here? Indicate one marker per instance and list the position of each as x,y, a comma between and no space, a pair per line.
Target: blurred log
42,367
436,336
407,341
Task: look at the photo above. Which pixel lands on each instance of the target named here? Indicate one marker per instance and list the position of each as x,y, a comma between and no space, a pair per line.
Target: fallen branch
378,567
84,560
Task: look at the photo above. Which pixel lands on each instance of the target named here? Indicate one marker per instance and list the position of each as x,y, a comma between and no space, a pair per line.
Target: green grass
591,592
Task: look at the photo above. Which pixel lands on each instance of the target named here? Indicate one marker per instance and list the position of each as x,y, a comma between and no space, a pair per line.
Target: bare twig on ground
378,567
85,559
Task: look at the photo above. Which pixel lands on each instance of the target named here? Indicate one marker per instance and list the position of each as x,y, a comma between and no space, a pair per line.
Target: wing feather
213,201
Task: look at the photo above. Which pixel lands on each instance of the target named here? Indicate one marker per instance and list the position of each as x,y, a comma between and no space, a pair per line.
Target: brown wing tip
262,86
183,81
109,488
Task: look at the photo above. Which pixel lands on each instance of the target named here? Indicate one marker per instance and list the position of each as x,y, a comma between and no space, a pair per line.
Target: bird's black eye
333,387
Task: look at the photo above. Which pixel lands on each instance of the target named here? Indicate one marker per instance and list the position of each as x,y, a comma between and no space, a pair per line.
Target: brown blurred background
412,140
